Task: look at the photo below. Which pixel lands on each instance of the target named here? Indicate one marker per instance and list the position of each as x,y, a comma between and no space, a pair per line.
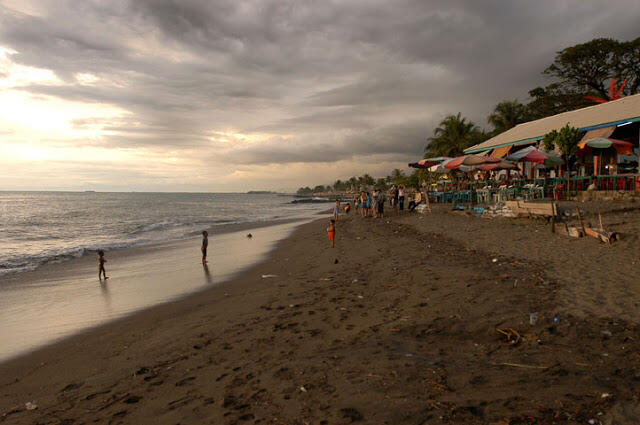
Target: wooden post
428,202
601,226
580,219
553,217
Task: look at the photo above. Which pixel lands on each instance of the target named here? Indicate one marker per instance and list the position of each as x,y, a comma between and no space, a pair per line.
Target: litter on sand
267,276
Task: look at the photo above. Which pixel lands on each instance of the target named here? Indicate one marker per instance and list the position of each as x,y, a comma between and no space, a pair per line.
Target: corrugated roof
609,113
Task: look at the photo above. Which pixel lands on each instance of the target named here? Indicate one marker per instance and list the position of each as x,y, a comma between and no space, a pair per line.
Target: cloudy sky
233,95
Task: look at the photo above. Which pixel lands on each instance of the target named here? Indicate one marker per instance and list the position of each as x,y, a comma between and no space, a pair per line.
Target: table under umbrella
599,145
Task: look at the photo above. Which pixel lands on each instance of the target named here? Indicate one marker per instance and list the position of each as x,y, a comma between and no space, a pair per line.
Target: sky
235,95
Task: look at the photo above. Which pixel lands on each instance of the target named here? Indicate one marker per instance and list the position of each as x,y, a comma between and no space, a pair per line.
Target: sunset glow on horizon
232,96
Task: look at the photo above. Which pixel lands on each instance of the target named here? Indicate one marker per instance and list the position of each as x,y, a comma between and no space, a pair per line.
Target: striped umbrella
533,154
469,160
428,162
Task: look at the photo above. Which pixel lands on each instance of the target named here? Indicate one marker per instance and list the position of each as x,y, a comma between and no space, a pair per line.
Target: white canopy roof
609,113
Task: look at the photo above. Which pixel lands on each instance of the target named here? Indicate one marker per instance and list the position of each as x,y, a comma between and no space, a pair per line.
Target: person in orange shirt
331,231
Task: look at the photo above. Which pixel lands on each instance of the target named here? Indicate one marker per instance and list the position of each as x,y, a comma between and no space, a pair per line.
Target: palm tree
353,182
367,180
397,176
452,136
507,115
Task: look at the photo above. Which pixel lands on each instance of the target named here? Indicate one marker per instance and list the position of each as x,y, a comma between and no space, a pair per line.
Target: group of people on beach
368,204
203,248
371,204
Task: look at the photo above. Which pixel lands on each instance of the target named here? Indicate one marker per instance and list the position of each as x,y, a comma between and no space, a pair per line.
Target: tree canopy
453,135
506,115
586,69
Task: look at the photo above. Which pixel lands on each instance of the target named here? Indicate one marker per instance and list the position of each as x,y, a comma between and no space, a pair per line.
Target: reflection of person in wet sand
101,261
205,244
207,274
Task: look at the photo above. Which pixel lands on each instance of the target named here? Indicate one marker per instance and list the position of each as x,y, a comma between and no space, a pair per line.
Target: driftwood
600,234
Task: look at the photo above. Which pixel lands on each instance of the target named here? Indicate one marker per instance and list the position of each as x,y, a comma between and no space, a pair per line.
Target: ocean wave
24,263
32,241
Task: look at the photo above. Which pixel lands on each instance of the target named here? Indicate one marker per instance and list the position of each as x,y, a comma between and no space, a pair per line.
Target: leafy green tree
367,180
566,140
381,183
353,183
319,188
588,67
507,115
452,136
554,99
304,191
397,176
340,185
549,140
413,179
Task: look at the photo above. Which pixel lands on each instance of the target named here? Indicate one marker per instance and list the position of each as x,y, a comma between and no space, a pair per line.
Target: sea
49,288
38,228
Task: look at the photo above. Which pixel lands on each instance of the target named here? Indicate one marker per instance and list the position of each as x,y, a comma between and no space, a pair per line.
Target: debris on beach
31,405
267,276
513,337
600,234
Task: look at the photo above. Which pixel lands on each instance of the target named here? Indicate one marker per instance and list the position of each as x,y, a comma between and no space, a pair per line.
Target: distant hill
261,192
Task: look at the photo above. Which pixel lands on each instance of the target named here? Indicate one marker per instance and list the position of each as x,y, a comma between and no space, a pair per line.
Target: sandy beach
401,329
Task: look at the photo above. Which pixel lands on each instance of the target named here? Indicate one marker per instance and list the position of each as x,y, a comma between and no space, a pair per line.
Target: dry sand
401,330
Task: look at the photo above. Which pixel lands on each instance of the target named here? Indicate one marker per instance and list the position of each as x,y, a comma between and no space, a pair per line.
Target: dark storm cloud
329,80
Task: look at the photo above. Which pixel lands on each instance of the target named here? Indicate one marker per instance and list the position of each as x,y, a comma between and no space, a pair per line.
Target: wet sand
401,330
58,300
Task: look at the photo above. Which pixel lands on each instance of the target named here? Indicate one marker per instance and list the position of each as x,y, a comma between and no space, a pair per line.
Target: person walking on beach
375,203
331,231
381,200
205,244
336,210
401,196
394,192
101,261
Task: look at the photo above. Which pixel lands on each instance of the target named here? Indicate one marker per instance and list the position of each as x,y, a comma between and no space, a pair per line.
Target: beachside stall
607,159
514,165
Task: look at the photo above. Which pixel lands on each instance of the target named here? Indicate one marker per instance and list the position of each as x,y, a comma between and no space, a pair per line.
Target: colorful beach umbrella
621,147
441,168
428,162
469,160
502,165
533,154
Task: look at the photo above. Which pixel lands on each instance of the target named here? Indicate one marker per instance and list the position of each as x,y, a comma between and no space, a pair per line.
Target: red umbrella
533,154
503,165
455,163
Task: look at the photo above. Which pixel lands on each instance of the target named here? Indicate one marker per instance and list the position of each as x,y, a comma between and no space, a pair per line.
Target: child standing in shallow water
331,231
101,270
336,210
205,245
